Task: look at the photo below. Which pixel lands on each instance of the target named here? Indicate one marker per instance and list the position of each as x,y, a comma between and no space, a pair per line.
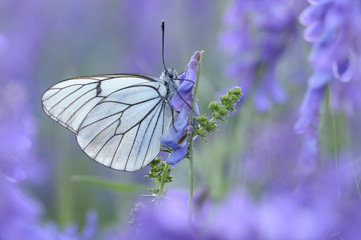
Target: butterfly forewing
118,119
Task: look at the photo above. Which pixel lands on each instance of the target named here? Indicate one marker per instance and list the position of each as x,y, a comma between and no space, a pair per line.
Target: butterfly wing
118,119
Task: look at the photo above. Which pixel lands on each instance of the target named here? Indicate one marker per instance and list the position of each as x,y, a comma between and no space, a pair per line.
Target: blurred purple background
285,166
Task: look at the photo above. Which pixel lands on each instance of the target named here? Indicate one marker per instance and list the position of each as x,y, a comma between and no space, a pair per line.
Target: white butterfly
118,119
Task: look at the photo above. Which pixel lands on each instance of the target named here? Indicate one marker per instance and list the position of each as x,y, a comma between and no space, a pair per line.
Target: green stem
191,175
333,126
156,183
334,132
190,140
163,181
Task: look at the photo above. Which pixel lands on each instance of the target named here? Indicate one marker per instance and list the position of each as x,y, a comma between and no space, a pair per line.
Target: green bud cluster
218,111
205,124
157,167
229,100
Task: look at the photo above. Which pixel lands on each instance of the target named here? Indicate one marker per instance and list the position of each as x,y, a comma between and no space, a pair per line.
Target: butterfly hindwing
118,118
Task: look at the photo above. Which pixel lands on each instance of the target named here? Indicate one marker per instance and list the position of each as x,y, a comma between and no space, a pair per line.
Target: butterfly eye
169,74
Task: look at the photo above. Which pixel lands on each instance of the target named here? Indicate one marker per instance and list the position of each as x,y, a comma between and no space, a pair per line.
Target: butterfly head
170,73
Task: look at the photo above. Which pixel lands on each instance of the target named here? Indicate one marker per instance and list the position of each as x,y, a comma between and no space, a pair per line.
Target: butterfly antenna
162,26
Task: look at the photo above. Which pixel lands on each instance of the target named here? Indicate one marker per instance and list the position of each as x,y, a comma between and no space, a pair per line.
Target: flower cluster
256,35
314,210
332,26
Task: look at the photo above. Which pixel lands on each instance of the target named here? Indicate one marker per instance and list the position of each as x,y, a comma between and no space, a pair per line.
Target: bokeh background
286,165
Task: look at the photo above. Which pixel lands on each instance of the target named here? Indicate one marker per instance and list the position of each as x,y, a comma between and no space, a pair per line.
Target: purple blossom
316,208
256,36
321,207
176,136
308,125
21,217
332,26
71,231
346,95
174,133
17,133
183,97
162,219
19,213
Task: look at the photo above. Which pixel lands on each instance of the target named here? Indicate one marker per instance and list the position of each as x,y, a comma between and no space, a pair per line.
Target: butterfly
118,119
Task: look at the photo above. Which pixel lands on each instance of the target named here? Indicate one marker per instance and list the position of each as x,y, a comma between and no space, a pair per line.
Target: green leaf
119,187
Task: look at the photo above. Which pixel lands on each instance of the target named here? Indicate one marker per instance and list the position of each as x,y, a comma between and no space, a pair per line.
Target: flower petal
175,132
183,94
177,154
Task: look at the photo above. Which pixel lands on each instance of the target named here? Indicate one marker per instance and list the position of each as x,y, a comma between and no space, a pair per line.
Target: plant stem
334,133
191,175
163,180
190,140
333,125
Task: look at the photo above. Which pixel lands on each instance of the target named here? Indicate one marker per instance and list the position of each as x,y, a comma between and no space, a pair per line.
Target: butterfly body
117,118
168,79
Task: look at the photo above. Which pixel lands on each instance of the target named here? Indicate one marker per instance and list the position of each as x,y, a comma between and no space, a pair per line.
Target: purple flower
256,35
176,136
332,26
162,219
71,231
308,125
346,96
19,213
317,208
17,133
21,217
322,207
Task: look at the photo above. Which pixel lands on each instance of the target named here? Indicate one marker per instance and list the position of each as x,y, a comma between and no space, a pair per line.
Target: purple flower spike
307,124
183,95
332,26
310,111
176,136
